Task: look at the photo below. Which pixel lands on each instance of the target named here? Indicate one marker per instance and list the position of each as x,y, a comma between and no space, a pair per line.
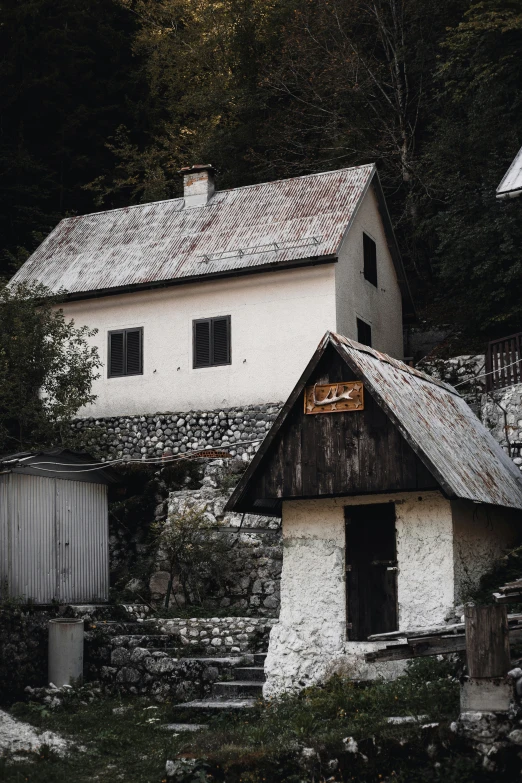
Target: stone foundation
253,562
238,430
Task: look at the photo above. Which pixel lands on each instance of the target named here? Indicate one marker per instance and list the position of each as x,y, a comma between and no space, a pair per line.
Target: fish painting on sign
334,397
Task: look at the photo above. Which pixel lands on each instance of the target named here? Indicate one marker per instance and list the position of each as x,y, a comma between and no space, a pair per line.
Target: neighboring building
511,185
394,501
54,528
217,299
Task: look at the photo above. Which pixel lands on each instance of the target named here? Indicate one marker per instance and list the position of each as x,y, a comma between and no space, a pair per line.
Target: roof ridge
397,363
217,193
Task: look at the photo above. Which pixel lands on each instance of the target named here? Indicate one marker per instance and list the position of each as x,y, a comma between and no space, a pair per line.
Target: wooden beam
487,641
434,645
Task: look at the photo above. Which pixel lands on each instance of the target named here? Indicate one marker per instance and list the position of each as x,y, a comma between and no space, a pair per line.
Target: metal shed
54,536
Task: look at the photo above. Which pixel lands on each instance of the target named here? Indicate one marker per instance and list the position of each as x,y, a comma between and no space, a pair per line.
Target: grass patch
294,740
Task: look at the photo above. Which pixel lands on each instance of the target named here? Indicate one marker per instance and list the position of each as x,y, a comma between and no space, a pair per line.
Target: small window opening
364,333
370,259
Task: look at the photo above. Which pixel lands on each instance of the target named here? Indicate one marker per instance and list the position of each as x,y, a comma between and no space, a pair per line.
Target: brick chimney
198,184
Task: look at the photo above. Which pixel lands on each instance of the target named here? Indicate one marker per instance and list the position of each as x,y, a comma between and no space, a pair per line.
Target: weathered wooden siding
349,453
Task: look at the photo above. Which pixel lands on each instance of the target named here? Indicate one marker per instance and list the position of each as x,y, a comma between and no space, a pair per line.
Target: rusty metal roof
511,184
434,419
271,224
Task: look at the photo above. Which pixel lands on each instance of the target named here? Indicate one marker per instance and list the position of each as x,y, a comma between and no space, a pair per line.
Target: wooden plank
397,652
487,641
417,632
409,633
429,646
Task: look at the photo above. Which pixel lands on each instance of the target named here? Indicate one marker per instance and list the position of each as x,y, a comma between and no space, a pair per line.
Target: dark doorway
371,570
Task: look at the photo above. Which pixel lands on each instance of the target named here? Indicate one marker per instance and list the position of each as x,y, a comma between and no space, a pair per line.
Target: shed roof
511,184
435,421
254,228
59,463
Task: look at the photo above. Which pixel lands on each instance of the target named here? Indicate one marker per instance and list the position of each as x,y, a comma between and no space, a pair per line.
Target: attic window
125,353
211,341
364,333
370,259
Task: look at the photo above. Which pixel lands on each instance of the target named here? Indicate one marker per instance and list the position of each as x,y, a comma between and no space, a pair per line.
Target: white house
394,501
218,298
511,185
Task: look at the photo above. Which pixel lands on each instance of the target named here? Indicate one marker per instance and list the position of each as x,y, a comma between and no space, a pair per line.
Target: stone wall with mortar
502,415
171,658
254,556
238,430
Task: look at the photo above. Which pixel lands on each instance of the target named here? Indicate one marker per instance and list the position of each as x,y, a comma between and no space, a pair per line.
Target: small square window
364,333
370,259
211,341
125,353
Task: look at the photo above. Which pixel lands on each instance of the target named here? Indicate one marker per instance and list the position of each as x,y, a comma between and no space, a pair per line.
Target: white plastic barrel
65,651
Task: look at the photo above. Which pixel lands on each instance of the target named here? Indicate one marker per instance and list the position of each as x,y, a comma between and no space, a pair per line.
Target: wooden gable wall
329,454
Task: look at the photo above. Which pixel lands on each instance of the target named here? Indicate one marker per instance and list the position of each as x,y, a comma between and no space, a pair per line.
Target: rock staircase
241,693
138,655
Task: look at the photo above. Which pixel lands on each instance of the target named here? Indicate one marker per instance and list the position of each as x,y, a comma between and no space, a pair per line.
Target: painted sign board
334,397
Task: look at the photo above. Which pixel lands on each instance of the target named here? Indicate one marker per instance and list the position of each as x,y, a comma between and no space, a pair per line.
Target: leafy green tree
46,369
194,553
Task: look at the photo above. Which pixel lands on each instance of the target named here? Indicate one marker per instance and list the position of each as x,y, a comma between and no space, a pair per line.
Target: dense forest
102,101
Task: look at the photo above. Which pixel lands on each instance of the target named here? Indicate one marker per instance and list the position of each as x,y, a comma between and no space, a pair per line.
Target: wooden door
371,570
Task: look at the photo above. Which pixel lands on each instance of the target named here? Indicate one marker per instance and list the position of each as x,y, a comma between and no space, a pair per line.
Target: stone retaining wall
220,635
239,430
502,415
252,564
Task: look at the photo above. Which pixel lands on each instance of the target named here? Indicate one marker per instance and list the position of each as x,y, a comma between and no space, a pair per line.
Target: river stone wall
238,430
254,559
502,415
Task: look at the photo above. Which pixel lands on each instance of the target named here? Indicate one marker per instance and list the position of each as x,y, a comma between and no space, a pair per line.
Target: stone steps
250,673
237,689
240,694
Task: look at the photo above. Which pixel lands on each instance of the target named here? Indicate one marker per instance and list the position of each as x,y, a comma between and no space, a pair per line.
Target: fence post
488,656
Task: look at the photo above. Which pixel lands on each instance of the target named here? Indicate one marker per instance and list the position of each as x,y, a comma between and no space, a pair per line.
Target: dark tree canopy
103,101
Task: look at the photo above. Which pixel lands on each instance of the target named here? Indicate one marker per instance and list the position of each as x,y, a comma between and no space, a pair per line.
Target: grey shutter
221,341
134,352
116,354
201,339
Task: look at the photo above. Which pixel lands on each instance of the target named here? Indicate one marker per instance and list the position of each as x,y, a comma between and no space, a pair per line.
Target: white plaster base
308,644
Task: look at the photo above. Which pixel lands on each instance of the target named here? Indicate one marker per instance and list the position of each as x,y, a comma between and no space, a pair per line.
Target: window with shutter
211,341
125,353
370,259
364,333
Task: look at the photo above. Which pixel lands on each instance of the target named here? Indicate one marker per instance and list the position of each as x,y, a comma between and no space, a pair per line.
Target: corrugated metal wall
83,545
53,539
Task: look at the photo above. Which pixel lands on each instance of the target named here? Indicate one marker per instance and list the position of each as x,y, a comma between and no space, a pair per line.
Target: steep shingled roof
274,224
435,421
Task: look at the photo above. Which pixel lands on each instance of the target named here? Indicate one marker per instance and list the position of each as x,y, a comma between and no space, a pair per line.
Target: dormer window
370,259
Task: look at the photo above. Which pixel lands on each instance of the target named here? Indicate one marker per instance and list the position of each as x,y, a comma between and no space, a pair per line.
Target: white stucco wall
277,320
379,307
309,641
482,534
